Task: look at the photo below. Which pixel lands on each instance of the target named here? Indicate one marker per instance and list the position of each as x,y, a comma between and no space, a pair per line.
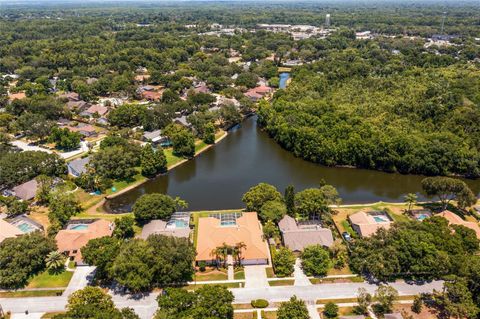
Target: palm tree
237,252
55,261
411,199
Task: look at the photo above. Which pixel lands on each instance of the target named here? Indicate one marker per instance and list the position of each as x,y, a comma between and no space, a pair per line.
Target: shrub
259,303
202,265
331,310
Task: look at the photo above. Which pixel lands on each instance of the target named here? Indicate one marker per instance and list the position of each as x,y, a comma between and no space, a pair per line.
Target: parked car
346,236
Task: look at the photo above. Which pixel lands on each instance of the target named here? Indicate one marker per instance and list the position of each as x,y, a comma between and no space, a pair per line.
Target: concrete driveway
81,278
300,278
255,276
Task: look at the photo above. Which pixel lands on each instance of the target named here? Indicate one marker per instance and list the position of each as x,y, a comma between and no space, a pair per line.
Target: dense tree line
415,249
362,105
140,265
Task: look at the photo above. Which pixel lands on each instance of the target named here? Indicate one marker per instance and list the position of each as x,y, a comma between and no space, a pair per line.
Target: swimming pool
380,219
421,217
78,227
26,228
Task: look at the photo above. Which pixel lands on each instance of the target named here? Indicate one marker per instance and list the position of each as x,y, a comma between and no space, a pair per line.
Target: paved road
324,291
145,307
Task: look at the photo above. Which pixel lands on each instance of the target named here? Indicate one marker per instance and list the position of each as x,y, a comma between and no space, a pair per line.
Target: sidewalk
300,278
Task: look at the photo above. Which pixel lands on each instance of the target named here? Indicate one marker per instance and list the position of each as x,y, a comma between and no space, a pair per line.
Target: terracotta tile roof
8,231
71,240
17,96
152,96
365,224
211,234
454,219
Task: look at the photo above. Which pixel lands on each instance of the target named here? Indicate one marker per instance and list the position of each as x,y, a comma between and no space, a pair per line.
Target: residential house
86,130
96,109
182,120
16,96
154,137
27,190
454,219
367,223
201,88
232,229
78,166
76,235
177,226
258,92
151,95
296,236
79,106
8,231
70,96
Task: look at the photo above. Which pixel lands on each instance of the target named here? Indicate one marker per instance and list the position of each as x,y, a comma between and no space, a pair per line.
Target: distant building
327,20
71,96
16,96
98,109
364,35
154,137
298,236
86,130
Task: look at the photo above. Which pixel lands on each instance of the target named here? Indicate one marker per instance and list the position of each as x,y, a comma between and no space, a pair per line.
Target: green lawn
171,159
211,276
227,285
34,293
46,280
270,273
284,282
239,275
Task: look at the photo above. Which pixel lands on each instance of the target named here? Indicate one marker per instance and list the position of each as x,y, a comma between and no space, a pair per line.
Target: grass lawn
240,274
50,315
270,273
245,315
284,282
46,280
171,159
316,281
227,285
35,293
213,275
269,314
242,306
344,271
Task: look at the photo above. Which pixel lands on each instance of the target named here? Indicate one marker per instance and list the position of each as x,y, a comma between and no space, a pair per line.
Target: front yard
47,280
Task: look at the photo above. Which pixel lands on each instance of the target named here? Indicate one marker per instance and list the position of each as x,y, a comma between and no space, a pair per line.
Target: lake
217,178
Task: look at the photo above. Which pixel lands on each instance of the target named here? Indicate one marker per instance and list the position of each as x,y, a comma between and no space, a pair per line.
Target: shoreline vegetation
96,205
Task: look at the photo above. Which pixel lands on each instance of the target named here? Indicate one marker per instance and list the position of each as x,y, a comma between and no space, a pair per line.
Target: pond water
218,178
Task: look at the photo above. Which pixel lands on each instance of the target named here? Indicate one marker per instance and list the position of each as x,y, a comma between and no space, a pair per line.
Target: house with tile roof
367,223
232,229
454,219
76,235
8,231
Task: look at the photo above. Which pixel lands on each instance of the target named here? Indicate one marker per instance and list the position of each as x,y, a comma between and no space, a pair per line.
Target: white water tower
327,20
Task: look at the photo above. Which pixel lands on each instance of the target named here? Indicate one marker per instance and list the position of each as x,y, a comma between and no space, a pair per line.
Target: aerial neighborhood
230,160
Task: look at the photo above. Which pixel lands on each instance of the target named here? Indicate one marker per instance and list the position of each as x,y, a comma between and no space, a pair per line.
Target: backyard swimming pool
381,219
26,228
78,227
